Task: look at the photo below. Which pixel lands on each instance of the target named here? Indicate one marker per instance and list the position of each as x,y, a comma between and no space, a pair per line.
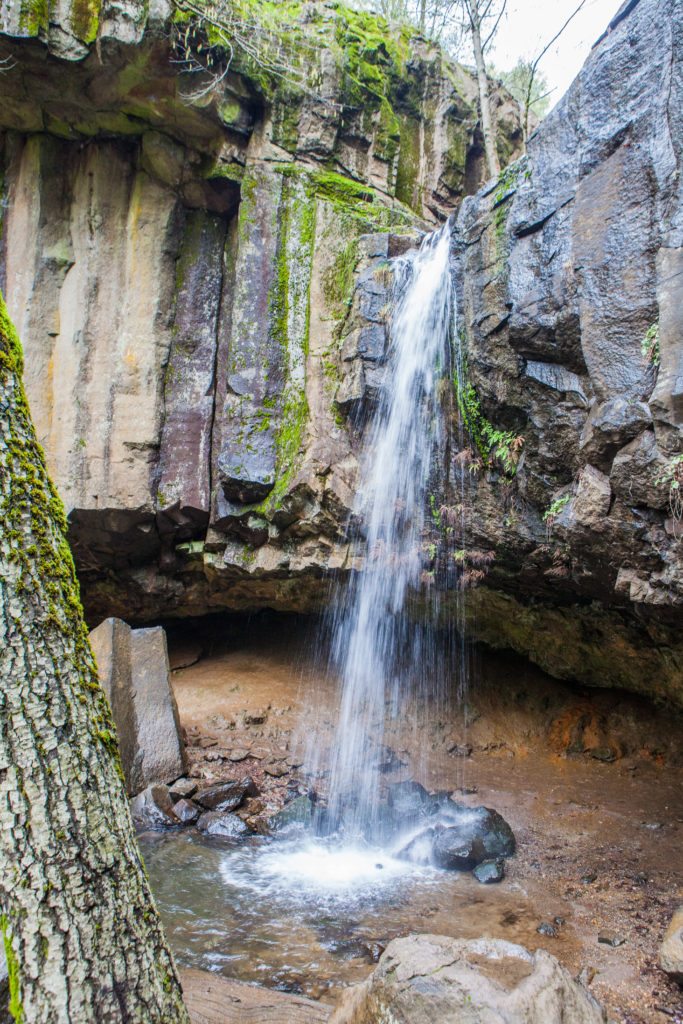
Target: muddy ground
591,782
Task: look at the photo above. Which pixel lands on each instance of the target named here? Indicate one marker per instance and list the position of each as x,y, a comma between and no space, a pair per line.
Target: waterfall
378,649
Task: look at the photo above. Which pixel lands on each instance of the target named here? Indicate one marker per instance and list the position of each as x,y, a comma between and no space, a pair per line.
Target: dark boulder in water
476,835
454,850
418,849
408,800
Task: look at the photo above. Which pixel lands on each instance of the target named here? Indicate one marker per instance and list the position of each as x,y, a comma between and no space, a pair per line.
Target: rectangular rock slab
134,673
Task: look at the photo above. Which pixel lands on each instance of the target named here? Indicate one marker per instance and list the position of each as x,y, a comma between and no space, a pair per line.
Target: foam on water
308,868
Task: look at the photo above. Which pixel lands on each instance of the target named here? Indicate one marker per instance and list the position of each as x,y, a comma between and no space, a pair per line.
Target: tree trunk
484,97
82,935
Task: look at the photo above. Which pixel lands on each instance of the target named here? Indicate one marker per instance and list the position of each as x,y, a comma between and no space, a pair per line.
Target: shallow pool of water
304,915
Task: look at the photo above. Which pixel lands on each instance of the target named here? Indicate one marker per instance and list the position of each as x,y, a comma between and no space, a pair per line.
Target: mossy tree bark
82,936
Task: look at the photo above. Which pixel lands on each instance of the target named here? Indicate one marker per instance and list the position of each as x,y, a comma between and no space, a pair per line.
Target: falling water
377,646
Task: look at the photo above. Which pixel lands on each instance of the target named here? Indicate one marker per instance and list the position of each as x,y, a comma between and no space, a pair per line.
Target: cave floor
599,842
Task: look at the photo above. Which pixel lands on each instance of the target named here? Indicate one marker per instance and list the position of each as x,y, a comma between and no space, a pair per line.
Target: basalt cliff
199,211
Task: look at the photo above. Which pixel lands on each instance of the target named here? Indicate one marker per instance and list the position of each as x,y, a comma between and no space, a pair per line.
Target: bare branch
495,27
537,61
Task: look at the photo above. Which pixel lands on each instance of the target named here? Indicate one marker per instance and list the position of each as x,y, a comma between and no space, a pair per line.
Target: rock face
198,266
426,978
566,271
133,669
178,251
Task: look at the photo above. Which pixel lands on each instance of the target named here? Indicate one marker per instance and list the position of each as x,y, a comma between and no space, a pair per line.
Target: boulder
455,851
478,834
153,808
133,670
226,796
220,823
408,800
422,979
671,949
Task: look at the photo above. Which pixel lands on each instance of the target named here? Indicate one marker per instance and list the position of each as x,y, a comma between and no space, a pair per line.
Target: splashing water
377,646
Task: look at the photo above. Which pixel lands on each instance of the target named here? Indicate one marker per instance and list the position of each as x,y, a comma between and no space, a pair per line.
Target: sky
531,23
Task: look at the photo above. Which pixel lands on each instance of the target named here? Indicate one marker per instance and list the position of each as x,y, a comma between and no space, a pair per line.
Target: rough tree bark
488,131
82,935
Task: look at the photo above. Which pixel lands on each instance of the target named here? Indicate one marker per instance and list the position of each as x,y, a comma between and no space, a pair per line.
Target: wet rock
375,950
636,470
407,800
671,949
219,823
478,834
226,796
297,813
422,979
182,789
276,769
490,871
418,850
186,811
153,808
610,426
134,673
455,851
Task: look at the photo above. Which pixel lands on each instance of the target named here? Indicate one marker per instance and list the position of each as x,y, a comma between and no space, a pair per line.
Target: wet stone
218,823
182,789
454,851
186,811
297,813
490,871
477,834
226,796
153,808
419,849
408,799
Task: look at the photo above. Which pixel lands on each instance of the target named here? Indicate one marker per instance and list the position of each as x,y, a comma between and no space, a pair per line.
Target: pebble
460,750
611,939
545,928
